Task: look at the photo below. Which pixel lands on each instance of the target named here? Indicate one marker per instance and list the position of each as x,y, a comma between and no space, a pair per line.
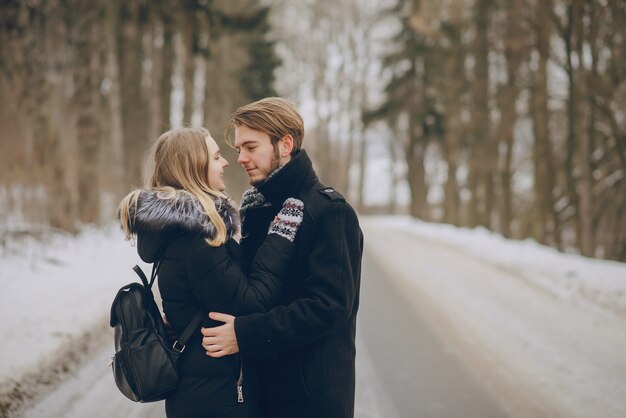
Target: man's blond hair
273,116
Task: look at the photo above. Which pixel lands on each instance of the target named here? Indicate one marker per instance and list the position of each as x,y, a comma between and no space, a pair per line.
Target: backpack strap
179,344
155,270
142,275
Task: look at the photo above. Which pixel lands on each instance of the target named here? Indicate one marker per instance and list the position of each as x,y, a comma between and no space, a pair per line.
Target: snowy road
417,371
545,332
91,392
453,322
404,370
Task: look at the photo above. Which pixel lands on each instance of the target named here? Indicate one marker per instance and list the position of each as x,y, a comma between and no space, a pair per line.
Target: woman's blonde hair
178,164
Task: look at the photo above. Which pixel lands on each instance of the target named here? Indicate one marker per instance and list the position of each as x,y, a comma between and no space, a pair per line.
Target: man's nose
242,158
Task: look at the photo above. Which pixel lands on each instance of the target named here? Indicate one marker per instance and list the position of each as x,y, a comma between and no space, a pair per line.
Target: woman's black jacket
194,274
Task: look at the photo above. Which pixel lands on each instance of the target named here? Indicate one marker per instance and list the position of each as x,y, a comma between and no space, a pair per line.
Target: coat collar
183,211
293,177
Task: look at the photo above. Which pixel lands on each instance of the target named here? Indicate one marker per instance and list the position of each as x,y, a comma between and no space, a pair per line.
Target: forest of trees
523,105
86,85
505,114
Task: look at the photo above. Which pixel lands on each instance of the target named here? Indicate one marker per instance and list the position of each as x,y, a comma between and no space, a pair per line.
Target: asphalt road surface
419,374
404,369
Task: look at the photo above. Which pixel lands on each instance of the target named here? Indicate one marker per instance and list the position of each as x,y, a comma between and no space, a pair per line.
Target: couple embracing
279,278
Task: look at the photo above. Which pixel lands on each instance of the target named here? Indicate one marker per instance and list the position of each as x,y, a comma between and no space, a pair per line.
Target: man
306,345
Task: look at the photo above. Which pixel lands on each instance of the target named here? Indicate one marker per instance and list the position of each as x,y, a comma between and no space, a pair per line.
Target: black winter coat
193,275
307,344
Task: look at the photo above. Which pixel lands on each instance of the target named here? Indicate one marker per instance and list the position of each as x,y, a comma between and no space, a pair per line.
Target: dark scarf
284,182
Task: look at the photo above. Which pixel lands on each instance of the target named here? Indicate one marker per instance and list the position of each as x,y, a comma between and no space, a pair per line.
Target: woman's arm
218,281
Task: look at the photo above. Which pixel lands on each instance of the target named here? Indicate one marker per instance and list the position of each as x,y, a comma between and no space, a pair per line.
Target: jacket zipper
240,383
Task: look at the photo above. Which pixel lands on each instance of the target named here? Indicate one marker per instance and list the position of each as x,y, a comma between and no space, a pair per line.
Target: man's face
257,155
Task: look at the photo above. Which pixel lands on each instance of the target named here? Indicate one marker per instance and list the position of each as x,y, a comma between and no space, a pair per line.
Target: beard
274,164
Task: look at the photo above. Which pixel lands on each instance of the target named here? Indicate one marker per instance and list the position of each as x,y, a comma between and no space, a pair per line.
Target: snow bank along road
541,338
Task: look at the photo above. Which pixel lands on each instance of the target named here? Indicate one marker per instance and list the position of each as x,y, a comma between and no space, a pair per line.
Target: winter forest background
503,114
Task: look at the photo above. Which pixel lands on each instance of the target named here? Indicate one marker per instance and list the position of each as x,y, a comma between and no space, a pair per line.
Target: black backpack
145,361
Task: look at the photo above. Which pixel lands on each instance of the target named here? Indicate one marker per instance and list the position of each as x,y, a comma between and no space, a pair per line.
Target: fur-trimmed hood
155,217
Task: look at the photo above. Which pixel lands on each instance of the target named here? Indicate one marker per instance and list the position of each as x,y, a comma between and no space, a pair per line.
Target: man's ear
285,145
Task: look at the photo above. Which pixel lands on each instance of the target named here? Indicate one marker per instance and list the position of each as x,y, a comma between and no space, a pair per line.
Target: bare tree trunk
63,124
585,189
86,80
609,191
116,171
515,53
16,48
34,101
617,249
585,143
362,175
14,159
189,64
543,206
167,70
506,208
47,146
362,153
322,151
354,126
155,127
453,90
130,48
572,119
393,175
415,154
482,167
355,133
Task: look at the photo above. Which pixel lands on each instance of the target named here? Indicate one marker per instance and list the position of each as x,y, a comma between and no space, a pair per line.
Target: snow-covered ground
550,322
55,290
55,301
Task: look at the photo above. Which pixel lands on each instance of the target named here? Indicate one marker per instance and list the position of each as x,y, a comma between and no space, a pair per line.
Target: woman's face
217,164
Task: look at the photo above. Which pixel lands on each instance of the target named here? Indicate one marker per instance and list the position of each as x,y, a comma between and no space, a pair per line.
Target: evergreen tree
258,76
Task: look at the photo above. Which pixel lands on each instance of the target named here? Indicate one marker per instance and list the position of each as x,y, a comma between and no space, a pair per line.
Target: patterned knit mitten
288,220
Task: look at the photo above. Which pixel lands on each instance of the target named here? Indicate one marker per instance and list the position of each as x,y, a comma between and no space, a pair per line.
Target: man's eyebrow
246,142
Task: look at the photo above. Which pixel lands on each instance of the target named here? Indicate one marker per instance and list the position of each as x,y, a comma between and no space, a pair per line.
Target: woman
185,220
